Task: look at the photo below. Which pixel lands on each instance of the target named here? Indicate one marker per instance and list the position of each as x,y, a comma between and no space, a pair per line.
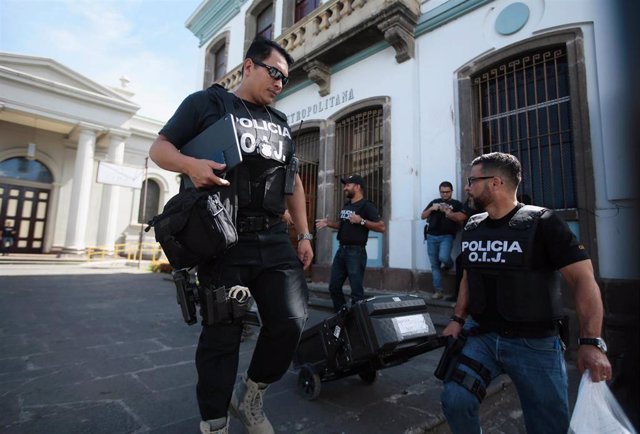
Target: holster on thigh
478,388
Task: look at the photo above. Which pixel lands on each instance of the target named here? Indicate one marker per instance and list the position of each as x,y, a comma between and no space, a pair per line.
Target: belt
352,245
256,223
530,334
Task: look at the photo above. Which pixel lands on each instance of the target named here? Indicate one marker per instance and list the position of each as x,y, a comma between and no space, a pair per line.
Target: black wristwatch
457,319
596,342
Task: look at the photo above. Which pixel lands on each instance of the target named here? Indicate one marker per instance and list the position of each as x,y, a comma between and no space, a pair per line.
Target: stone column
75,242
111,195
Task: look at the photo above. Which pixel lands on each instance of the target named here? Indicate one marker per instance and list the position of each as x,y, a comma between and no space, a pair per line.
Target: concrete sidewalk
103,349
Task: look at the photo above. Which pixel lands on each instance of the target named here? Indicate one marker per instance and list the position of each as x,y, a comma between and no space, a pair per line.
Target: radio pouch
224,306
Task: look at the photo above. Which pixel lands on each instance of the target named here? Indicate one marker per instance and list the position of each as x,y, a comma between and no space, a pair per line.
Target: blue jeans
439,250
349,261
537,369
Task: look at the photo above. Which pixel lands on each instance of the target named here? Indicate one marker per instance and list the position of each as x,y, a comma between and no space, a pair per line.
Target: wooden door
25,208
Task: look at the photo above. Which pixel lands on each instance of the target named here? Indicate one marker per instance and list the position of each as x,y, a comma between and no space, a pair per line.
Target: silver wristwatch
305,236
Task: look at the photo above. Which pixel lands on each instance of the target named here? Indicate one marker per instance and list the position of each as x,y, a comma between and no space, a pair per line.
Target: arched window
524,108
25,170
215,63
259,21
152,203
264,22
296,10
528,99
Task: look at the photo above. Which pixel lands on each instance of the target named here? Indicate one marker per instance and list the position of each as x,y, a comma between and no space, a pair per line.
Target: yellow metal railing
132,251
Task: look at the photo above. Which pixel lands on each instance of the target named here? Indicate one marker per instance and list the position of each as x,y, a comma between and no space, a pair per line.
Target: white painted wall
439,63
425,128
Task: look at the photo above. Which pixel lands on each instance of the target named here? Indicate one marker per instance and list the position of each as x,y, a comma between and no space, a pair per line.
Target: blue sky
144,40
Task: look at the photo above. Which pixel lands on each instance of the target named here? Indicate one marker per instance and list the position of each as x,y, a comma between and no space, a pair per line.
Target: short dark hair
446,184
505,164
261,48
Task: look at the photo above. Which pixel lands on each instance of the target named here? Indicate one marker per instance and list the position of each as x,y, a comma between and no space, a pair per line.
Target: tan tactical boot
215,426
246,405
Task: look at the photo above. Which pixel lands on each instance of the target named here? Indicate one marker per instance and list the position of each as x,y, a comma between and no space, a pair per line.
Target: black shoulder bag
194,227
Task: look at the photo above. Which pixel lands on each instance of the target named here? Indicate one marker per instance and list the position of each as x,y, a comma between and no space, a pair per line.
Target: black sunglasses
274,72
472,179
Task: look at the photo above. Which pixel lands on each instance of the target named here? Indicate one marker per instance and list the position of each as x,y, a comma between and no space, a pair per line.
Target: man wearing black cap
357,217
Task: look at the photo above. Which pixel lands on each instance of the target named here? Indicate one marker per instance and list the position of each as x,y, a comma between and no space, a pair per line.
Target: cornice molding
445,13
12,62
212,17
118,133
70,91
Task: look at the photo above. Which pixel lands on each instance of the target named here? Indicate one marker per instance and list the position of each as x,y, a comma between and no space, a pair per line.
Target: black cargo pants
266,263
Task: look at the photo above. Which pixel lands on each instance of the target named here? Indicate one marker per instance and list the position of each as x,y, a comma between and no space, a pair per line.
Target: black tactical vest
267,149
523,294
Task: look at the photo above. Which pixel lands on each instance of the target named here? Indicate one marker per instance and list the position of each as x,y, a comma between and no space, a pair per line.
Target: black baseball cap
354,179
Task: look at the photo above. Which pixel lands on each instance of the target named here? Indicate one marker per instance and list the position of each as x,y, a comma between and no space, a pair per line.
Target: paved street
102,348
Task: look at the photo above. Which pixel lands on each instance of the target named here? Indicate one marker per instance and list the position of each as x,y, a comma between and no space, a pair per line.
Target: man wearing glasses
444,216
263,259
513,257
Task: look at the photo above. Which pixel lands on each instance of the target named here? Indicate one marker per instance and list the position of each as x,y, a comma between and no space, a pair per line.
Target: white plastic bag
597,411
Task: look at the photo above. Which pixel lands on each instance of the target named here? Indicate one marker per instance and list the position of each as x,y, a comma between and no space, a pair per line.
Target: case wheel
309,382
369,376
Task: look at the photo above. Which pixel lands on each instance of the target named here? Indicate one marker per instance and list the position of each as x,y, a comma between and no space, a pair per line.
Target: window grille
308,152
359,150
524,108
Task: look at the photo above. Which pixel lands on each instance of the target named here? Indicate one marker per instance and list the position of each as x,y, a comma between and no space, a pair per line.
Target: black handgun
187,295
217,305
449,360
564,331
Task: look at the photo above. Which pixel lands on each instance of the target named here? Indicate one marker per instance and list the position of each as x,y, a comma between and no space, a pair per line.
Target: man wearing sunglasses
263,259
513,257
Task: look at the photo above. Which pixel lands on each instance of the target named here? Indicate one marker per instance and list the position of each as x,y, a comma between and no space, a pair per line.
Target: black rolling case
374,334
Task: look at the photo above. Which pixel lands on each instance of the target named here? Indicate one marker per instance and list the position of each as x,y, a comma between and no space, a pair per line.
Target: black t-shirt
355,234
439,224
264,135
554,247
